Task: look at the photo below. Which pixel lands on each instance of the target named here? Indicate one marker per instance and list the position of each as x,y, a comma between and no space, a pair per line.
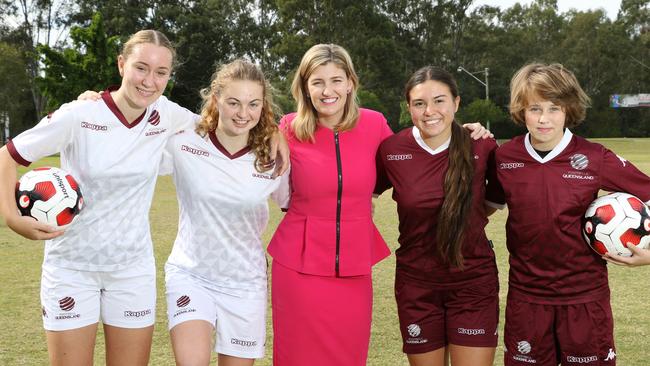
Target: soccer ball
50,195
616,221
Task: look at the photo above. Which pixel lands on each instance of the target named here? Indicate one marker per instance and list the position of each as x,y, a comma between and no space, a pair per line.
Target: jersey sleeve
50,136
167,160
182,118
383,183
282,195
494,195
619,175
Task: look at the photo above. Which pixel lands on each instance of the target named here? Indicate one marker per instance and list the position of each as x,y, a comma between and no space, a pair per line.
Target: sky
611,6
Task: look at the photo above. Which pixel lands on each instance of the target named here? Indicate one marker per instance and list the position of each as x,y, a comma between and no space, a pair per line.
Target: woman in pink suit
325,246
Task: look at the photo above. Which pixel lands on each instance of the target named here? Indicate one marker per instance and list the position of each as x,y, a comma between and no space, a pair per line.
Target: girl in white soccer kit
216,273
102,268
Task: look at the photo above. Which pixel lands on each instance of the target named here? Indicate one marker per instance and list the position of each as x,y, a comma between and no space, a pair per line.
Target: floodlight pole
485,83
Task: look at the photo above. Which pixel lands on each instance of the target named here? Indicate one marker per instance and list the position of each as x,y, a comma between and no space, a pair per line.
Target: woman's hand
280,154
90,95
640,257
32,229
477,131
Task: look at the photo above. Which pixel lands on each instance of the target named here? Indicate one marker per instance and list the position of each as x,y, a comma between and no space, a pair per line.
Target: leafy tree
15,98
91,64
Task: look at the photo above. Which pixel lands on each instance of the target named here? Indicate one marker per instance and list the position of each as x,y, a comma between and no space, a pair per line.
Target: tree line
388,40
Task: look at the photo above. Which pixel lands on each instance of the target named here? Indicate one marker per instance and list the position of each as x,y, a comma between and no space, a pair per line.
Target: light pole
485,83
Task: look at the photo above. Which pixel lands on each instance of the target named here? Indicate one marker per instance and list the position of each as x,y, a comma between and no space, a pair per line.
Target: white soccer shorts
73,299
240,323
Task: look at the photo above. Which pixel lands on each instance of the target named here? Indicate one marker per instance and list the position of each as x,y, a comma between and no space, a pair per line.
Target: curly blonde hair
260,136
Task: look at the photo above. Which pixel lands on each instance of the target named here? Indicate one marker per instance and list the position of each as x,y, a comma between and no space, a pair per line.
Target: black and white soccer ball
50,195
614,222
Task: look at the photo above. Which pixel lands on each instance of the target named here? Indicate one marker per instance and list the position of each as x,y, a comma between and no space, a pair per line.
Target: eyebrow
147,65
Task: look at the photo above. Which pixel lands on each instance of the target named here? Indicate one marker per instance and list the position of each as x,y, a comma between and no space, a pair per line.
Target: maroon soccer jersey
417,173
549,261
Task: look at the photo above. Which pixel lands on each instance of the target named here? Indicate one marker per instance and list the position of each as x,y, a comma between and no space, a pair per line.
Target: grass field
22,340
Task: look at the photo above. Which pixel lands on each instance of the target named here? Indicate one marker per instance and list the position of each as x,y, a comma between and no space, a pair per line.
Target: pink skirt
319,320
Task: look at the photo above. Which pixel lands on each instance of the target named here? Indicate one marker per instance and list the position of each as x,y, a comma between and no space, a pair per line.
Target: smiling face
145,73
328,88
432,108
240,107
545,121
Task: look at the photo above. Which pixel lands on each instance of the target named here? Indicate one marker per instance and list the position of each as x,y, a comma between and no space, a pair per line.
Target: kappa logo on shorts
137,313
582,359
611,356
241,342
44,312
471,332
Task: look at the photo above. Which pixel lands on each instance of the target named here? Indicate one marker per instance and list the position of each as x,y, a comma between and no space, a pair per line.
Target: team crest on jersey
579,161
154,118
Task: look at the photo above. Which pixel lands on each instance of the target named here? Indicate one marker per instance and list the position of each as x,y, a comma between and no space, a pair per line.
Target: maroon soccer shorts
545,335
430,319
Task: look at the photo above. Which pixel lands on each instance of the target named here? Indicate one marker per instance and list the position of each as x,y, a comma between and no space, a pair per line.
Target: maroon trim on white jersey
217,144
110,103
16,155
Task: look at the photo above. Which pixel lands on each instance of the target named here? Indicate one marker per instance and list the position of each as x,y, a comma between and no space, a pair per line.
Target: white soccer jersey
223,213
116,166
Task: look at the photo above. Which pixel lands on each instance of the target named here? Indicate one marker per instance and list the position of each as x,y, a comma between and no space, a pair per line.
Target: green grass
22,340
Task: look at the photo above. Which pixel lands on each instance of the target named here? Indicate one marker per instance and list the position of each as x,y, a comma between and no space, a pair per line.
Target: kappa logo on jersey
611,356
582,359
194,151
399,157
579,161
154,118
44,312
623,161
511,165
94,127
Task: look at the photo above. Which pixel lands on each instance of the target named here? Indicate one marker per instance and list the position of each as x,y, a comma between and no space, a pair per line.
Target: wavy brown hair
259,137
455,211
551,82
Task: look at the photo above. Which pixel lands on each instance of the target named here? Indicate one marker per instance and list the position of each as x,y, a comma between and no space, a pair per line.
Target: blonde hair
304,124
549,82
149,36
260,136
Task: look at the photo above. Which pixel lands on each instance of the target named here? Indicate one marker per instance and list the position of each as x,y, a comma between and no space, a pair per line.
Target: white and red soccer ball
50,195
614,222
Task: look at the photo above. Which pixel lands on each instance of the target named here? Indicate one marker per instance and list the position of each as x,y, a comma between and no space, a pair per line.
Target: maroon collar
217,144
110,103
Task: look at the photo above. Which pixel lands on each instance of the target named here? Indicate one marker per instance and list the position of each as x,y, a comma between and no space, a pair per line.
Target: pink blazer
306,239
